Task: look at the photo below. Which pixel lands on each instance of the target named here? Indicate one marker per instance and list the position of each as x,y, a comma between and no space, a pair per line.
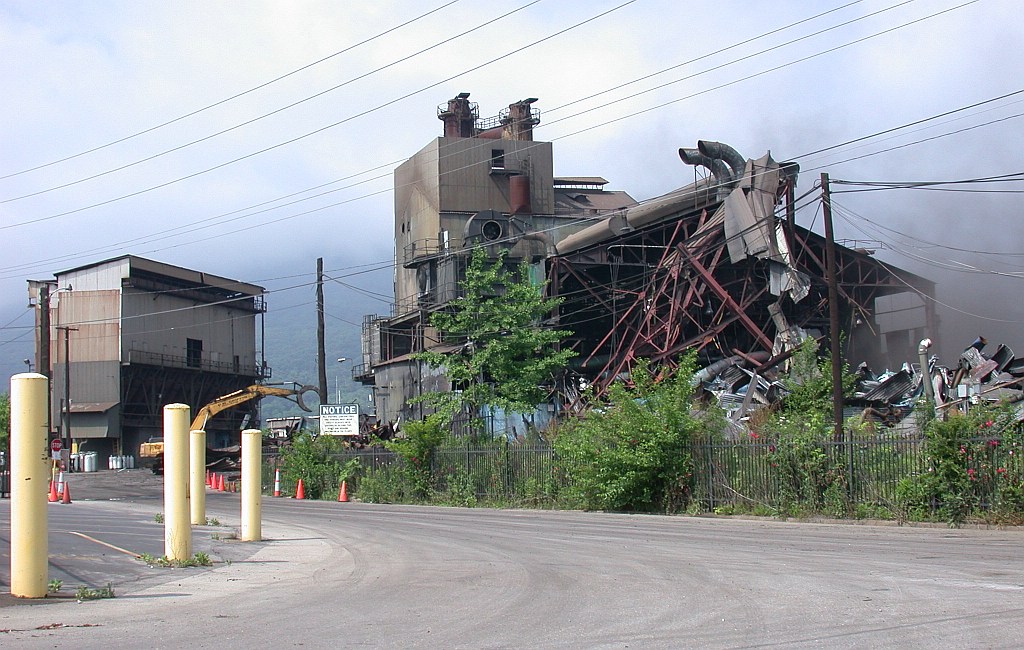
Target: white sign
339,419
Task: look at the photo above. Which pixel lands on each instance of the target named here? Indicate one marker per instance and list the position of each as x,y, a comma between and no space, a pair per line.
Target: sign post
339,419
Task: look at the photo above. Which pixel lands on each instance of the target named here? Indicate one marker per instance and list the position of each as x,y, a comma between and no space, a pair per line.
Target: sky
249,139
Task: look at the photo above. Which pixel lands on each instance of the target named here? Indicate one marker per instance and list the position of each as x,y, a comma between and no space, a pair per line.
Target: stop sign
56,444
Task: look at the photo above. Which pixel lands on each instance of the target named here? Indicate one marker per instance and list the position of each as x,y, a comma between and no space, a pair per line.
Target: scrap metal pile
884,400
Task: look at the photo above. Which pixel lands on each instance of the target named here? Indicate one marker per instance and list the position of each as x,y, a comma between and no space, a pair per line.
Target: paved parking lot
113,518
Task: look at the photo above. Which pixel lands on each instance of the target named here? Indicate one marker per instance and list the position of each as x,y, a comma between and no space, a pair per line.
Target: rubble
887,399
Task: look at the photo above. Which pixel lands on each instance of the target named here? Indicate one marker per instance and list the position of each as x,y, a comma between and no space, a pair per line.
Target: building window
193,353
497,159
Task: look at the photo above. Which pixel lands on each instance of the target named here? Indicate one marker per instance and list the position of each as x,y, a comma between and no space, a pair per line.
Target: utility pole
43,350
321,356
833,310
66,412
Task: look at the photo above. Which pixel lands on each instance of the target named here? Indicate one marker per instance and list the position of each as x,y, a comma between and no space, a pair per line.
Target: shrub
314,460
417,449
634,453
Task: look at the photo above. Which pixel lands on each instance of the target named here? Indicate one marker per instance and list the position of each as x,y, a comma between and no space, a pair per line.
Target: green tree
507,353
5,420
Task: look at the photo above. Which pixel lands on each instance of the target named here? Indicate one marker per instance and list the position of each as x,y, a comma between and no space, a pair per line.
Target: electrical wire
271,113
371,194
232,97
315,131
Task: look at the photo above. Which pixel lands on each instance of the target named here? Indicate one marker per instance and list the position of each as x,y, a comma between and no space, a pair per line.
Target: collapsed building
718,266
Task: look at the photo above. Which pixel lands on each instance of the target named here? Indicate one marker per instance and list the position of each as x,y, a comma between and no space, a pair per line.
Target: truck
151,452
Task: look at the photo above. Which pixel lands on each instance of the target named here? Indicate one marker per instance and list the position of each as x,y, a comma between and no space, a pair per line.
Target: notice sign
339,419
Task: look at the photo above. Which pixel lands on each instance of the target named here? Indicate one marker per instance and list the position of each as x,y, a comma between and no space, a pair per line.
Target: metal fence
827,477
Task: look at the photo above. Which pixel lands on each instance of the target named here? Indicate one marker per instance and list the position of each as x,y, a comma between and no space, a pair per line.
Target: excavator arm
256,391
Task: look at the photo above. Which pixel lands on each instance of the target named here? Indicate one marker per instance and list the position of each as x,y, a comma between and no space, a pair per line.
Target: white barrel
110,462
91,461
131,461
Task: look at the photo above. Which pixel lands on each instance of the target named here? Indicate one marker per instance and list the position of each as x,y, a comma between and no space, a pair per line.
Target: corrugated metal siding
161,324
94,314
103,276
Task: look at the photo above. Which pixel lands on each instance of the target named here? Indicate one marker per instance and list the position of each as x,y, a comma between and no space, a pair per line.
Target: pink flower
754,435
970,474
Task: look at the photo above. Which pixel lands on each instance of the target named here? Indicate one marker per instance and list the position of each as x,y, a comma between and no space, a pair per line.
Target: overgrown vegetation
972,465
809,477
635,452
315,460
650,448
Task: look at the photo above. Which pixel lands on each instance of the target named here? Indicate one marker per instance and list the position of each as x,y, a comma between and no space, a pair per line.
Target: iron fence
825,477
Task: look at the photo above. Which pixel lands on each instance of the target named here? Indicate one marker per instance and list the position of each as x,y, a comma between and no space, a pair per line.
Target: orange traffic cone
207,478
300,490
343,493
67,493
277,482
53,492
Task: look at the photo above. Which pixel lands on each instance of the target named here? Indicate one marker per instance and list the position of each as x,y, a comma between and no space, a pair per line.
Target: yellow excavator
152,452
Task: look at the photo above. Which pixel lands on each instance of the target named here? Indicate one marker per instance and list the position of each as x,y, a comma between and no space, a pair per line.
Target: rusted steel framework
658,292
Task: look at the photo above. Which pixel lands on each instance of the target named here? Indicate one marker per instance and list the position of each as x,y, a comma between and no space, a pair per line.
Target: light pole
337,383
28,362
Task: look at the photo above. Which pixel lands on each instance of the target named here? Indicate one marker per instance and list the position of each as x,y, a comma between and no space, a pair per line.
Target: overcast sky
129,127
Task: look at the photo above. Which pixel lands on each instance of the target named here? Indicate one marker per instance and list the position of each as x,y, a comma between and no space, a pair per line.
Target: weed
85,593
202,559
54,586
158,517
210,521
198,559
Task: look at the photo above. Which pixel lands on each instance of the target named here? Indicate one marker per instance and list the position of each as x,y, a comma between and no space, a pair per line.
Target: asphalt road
361,575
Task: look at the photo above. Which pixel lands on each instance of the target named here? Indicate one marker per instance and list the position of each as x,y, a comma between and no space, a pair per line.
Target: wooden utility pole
831,263
43,349
321,361
66,411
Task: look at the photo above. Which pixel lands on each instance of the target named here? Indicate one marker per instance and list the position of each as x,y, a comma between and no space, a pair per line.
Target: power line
315,131
361,182
232,97
266,115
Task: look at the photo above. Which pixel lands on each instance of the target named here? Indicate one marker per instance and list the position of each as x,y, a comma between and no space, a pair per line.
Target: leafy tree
5,421
507,354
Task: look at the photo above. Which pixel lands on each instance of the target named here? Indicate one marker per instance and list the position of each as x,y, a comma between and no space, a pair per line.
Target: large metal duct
719,151
722,173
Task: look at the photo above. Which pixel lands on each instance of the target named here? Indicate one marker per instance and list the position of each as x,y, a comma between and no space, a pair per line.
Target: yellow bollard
252,459
29,465
177,531
197,477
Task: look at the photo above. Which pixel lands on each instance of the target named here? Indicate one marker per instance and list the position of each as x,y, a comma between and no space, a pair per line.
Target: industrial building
123,337
718,266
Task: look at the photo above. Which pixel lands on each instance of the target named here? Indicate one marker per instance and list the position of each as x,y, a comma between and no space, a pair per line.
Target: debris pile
886,399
